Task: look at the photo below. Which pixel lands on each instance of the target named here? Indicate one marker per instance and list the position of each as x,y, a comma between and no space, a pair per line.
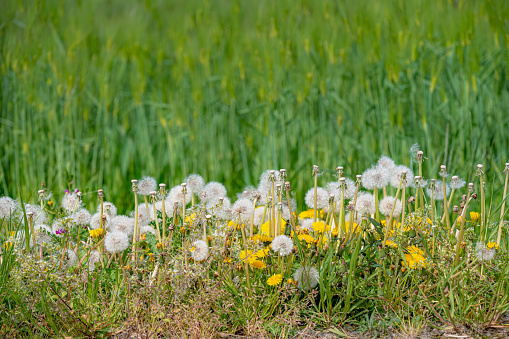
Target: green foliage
101,92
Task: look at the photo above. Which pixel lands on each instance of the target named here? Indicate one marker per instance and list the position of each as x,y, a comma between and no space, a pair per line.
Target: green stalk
315,212
377,212
483,201
501,224
446,205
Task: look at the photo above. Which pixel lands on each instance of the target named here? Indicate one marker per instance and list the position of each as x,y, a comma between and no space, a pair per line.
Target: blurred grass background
106,91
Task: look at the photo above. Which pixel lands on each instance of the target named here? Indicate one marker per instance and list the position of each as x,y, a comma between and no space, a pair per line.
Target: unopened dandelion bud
462,205
463,198
474,196
456,209
411,199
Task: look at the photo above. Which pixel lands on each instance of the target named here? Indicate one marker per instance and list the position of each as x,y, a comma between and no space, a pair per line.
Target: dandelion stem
377,212
446,206
459,239
251,226
502,211
292,221
315,212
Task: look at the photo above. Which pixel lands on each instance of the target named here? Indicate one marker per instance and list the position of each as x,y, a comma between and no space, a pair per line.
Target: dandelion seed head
95,221
483,253
93,259
195,183
70,258
265,184
457,183
38,215
201,250
375,177
108,208
212,191
307,277
8,207
41,234
322,198
398,172
365,203
122,223
258,215
306,224
386,162
116,241
144,215
438,191
282,244
249,192
168,207
243,209
386,205
81,217
147,229
71,201
147,185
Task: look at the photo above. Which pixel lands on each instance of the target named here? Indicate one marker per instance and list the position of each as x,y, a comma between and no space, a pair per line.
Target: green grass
106,91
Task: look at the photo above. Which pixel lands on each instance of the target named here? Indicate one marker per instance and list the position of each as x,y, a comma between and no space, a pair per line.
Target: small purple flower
60,231
76,190
67,192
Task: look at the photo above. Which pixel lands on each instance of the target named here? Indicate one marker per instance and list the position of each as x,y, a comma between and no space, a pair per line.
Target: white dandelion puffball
95,221
282,244
108,208
81,217
122,223
144,215
457,183
386,163
201,250
93,259
116,242
212,190
258,215
147,185
483,253
38,214
177,195
195,183
322,198
71,201
386,205
265,184
147,229
70,258
168,207
375,177
307,277
365,203
8,207
350,189
222,210
438,191
397,173
243,209
41,234
249,192
334,187
306,224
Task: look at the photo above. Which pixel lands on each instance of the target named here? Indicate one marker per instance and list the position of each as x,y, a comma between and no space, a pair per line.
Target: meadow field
97,93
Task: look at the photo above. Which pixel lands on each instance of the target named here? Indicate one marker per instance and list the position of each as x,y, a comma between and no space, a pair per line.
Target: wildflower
415,250
81,217
492,244
243,209
459,219
108,208
250,256
291,281
474,216
60,231
258,264
391,243
265,184
168,207
262,253
38,214
306,225
274,280
7,207
365,204
145,215
264,229
375,177
307,277
227,260
122,223
95,221
322,198
201,250
147,185
194,183
320,227
484,253
307,238
397,174
308,214
334,233
70,258
334,188
147,229
282,244
415,261
96,233
212,191
387,204
71,201
116,241
93,259
258,215
261,238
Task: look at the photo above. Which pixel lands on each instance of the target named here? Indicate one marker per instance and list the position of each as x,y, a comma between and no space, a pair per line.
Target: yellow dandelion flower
474,216
307,214
320,227
264,229
261,238
306,237
415,250
492,244
262,253
227,260
391,243
355,227
96,233
334,233
274,280
250,256
258,264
